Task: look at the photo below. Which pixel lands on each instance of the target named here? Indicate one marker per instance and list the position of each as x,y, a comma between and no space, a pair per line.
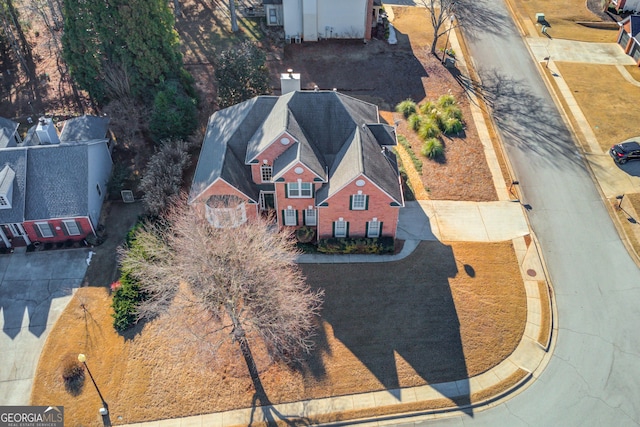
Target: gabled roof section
363,155
299,152
223,149
635,25
16,159
55,190
8,128
84,128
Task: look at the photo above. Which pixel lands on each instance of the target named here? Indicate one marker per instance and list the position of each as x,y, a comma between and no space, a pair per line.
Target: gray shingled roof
8,128
84,128
224,146
16,159
54,189
333,131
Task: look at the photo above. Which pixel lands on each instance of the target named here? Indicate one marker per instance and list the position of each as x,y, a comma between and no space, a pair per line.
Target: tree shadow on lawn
405,309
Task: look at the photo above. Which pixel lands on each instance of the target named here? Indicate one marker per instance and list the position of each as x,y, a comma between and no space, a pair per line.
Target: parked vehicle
621,153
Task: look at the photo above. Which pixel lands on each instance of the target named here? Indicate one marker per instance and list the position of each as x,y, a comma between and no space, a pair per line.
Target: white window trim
290,217
314,216
269,170
377,228
238,216
361,203
297,186
49,231
69,224
342,228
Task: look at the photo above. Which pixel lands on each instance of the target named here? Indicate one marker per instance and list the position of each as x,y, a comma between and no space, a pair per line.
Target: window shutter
313,190
296,211
350,203
37,230
333,228
380,230
304,216
65,231
366,229
79,227
346,234
366,203
286,191
53,230
284,220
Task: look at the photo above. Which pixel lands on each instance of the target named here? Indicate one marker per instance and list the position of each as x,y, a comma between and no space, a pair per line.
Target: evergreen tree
242,74
132,35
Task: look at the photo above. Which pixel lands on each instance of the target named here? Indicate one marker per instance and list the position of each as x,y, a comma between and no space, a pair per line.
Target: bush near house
127,294
406,107
432,148
429,121
359,245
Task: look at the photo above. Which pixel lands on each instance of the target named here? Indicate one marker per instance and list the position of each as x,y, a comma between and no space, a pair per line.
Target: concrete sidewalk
419,221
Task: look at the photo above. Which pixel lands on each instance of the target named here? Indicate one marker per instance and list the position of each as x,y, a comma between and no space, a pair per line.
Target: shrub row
417,163
127,294
358,245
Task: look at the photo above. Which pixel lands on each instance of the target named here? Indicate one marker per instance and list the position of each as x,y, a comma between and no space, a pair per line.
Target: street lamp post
446,43
105,408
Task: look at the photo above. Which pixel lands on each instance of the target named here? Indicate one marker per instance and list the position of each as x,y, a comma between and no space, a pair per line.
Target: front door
267,201
18,231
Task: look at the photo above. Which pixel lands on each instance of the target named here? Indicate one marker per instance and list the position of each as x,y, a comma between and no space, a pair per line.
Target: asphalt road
592,377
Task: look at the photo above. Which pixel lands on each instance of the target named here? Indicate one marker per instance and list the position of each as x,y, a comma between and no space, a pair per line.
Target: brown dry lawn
447,312
563,19
608,101
463,173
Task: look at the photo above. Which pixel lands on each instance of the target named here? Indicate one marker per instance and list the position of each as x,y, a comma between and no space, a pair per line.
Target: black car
625,151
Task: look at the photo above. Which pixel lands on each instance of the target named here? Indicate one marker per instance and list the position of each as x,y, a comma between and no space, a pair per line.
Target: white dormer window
7,176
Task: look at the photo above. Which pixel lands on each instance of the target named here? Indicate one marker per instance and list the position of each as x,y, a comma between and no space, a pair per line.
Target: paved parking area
34,289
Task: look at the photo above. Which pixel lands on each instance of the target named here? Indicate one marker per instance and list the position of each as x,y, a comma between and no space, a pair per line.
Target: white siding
99,172
344,19
310,20
292,11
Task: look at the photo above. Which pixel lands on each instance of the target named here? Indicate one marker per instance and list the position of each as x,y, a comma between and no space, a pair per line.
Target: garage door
624,39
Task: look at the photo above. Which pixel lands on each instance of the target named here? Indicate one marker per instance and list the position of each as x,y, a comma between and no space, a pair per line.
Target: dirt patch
445,313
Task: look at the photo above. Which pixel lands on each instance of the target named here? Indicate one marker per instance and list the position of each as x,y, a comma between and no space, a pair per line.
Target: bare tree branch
246,275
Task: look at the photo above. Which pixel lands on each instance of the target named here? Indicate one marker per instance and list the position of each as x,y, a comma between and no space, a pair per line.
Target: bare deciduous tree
162,178
441,13
243,279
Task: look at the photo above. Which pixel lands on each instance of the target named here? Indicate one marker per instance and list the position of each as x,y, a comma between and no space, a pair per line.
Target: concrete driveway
34,289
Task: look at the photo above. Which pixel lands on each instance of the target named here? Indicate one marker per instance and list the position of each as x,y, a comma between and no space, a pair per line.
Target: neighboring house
314,158
623,5
629,36
52,186
311,20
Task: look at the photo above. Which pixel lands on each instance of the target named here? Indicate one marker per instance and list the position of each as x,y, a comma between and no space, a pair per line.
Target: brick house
52,186
629,36
314,158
